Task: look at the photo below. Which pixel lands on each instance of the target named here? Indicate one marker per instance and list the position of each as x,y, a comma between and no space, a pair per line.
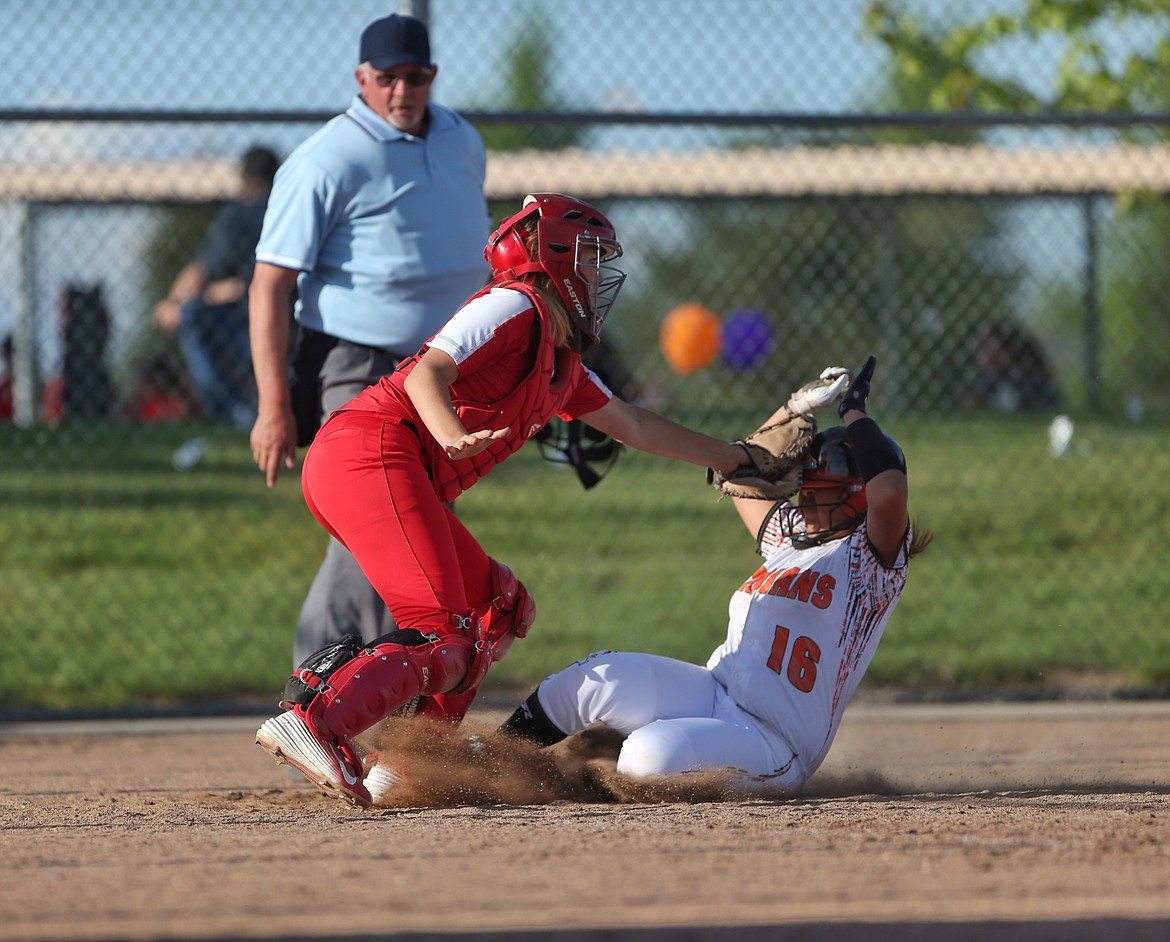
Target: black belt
323,343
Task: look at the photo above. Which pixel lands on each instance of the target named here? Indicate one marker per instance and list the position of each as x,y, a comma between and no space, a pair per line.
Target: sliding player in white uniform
803,628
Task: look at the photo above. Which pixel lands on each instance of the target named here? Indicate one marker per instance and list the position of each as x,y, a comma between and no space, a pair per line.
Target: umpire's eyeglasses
416,78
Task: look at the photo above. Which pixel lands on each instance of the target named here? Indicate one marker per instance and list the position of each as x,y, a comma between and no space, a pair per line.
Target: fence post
24,352
1092,307
416,8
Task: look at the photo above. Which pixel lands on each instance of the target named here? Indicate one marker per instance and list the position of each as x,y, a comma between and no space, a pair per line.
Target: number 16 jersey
802,631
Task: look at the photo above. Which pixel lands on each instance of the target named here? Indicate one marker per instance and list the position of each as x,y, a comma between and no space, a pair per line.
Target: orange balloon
690,337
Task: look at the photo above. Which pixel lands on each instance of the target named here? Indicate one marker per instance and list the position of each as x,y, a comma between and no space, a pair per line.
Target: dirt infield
1006,822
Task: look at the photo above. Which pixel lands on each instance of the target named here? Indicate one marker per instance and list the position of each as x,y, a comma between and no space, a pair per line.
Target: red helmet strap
517,271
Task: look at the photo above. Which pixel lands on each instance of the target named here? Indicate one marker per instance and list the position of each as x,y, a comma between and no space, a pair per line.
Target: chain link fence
789,198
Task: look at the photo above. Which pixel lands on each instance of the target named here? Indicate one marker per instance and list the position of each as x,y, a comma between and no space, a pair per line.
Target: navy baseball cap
396,40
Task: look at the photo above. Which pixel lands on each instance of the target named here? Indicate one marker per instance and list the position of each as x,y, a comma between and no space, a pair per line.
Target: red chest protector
524,410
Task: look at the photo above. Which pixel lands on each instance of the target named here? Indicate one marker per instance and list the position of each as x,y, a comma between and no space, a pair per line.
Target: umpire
378,222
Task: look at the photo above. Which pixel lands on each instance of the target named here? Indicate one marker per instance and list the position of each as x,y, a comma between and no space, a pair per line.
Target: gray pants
341,600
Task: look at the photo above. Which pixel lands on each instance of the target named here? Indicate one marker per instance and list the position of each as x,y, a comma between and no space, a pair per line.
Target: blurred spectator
1012,372
208,303
86,388
7,405
158,395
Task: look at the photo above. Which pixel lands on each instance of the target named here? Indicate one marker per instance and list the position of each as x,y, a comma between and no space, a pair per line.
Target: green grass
128,583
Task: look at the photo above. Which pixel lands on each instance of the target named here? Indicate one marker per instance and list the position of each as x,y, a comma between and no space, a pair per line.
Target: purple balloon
747,339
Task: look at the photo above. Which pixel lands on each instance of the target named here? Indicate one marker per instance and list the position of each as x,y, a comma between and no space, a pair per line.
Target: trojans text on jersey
808,585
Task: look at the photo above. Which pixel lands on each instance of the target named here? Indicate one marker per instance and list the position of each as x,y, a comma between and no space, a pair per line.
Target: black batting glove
858,390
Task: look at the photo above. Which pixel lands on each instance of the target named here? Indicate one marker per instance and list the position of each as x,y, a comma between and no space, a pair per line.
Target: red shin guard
384,677
507,617
510,613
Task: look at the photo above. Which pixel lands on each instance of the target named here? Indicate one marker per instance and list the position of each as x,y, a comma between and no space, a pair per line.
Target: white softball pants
675,716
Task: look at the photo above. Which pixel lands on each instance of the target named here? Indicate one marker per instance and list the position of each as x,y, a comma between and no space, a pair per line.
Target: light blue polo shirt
387,229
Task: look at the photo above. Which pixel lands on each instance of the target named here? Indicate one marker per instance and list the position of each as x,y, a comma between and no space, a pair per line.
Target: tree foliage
528,89
1112,55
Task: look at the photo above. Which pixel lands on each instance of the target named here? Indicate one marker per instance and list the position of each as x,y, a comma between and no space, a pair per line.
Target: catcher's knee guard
510,613
508,616
389,673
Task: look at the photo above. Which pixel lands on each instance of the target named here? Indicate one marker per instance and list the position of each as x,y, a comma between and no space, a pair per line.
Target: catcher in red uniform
382,469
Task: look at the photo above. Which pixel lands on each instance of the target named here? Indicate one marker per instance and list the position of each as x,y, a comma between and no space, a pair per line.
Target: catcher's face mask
587,451
601,280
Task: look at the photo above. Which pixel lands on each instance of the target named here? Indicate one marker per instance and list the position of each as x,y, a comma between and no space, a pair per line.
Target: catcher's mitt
777,454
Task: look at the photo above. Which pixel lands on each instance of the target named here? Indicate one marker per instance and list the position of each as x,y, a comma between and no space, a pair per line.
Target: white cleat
290,739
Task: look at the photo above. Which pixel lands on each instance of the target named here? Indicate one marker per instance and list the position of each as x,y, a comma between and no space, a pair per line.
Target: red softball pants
363,479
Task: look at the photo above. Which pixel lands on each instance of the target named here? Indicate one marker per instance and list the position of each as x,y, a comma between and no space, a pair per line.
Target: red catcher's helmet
574,244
